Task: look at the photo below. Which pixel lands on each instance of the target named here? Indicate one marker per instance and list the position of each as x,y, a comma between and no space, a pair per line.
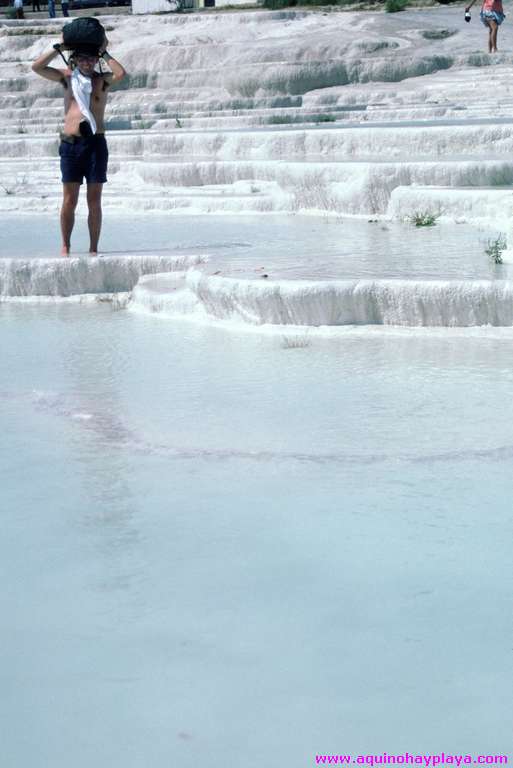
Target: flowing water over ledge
304,271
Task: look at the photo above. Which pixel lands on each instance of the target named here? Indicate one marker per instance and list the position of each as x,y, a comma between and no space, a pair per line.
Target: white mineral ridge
64,277
417,303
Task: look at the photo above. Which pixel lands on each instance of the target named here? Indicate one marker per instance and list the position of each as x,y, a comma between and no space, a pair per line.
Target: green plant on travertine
25,31
280,120
289,119
324,118
423,218
392,6
277,4
438,34
495,248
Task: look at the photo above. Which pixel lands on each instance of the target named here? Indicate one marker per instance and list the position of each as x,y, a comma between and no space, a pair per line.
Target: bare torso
72,114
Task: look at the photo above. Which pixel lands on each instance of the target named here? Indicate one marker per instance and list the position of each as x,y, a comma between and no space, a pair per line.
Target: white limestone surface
421,303
63,277
465,204
259,111
292,112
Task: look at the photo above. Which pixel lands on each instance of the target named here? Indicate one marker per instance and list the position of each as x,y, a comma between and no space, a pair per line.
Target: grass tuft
393,6
423,219
495,248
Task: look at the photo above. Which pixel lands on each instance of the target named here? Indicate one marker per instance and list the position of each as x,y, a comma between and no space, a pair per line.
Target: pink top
492,5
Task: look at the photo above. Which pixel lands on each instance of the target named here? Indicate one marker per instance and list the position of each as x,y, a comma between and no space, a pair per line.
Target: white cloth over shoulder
82,88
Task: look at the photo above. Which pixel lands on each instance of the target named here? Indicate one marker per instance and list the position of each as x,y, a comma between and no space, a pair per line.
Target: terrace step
477,203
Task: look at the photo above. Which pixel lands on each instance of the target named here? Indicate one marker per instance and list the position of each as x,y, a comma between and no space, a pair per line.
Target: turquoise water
216,549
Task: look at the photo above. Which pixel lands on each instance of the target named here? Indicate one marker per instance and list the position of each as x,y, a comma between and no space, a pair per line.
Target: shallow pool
220,549
284,246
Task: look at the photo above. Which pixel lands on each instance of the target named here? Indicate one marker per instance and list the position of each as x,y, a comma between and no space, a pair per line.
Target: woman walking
492,16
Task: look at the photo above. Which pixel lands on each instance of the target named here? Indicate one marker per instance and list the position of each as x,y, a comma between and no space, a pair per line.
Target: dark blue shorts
85,158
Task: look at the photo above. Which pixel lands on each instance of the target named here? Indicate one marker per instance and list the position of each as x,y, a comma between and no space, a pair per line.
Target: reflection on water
188,516
287,246
109,433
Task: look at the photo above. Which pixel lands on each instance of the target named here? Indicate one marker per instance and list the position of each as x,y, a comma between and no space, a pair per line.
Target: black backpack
84,34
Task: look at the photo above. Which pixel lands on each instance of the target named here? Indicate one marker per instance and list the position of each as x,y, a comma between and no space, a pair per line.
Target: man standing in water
83,148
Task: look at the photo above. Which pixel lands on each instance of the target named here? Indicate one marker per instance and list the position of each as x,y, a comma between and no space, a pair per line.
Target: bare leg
492,35
94,220
489,37
494,27
70,192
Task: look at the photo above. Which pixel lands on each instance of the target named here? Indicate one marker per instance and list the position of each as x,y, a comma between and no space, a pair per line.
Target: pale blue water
293,246
219,551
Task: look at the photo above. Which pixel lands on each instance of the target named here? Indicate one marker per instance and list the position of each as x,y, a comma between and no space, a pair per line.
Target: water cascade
420,303
77,276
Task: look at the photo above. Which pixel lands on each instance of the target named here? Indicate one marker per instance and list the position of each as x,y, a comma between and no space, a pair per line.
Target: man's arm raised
40,67
118,71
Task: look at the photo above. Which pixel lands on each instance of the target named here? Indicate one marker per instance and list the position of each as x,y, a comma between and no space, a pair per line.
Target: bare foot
65,250
93,253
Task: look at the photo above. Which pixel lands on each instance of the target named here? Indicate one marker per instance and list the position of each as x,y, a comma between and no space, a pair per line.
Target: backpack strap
57,48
